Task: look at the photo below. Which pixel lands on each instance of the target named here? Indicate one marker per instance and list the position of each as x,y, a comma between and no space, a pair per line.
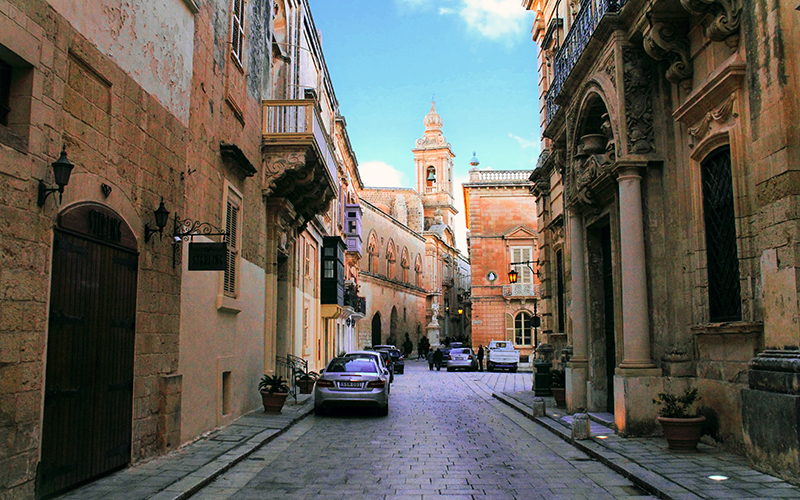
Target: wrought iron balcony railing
578,36
297,121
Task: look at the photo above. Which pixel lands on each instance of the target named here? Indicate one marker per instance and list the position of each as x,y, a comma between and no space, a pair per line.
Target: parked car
381,357
462,358
398,364
502,355
352,381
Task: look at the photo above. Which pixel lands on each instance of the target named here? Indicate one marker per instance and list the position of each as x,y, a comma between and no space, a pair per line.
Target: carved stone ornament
721,115
727,16
276,165
638,84
665,41
610,69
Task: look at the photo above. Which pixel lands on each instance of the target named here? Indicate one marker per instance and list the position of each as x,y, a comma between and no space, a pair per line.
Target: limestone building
502,223
411,268
666,198
145,295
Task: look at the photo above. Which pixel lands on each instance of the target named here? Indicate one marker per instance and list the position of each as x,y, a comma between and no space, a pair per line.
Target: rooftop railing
578,36
499,176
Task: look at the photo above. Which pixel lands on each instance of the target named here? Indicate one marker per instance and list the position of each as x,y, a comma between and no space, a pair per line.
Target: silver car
352,381
462,358
382,358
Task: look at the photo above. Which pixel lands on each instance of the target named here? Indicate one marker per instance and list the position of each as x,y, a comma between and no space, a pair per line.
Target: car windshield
459,351
501,345
364,355
352,365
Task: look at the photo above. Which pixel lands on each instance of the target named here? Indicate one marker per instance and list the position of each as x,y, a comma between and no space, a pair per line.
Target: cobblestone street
445,437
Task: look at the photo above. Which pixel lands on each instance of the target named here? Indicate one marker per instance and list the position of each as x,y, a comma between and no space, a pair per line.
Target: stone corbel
665,41
276,165
727,18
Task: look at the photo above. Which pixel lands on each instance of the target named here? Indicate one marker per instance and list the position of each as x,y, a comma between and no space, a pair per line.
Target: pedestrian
408,346
438,356
420,349
430,360
480,357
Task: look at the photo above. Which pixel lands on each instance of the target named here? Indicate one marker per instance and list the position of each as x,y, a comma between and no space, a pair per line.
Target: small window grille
724,289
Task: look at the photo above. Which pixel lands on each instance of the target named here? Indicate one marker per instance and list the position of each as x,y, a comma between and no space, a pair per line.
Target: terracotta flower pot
682,433
560,395
306,386
273,402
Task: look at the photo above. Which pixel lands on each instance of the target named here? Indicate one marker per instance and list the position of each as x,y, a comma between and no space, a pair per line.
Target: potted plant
682,428
306,381
273,393
558,385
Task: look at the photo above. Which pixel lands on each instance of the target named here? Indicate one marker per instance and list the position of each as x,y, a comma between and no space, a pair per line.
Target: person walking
438,356
480,357
430,360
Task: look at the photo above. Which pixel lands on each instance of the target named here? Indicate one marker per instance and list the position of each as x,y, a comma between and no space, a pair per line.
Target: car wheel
318,410
449,369
384,411
489,368
514,370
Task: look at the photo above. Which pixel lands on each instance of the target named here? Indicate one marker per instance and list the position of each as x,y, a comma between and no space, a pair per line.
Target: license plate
350,384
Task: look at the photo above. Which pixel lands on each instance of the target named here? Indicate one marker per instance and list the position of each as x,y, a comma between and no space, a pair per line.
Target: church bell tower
433,159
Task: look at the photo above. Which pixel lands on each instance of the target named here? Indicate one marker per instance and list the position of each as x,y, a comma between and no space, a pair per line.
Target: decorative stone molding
720,115
665,41
610,69
727,18
276,164
638,85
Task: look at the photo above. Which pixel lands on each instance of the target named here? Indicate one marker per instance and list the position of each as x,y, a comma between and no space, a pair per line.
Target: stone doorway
602,336
376,329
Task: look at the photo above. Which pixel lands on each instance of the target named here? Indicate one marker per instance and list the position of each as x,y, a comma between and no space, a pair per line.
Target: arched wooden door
376,329
88,406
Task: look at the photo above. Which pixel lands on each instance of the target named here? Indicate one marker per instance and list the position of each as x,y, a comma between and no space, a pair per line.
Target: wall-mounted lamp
460,310
162,215
62,169
513,275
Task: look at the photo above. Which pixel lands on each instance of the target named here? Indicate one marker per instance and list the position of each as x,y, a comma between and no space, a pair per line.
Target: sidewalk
183,472
650,465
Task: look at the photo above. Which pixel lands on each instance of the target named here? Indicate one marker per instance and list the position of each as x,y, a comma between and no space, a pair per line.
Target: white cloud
495,19
380,174
524,143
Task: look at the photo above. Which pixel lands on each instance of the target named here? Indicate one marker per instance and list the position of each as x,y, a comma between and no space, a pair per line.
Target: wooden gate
88,407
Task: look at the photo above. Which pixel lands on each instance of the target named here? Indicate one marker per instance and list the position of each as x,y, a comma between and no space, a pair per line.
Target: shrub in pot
306,381
682,427
273,393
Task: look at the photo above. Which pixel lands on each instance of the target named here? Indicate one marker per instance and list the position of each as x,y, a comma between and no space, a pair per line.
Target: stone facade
191,135
502,223
665,188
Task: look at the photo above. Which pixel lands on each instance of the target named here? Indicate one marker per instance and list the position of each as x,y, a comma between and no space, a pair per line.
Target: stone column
635,322
280,234
577,367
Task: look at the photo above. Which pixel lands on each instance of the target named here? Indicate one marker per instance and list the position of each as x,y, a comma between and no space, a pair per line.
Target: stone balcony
299,165
499,176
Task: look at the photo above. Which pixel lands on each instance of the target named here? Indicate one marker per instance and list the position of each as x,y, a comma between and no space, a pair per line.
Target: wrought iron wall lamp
513,275
62,169
162,216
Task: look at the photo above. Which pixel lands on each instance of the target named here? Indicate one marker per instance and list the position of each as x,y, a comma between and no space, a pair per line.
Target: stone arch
393,326
376,328
404,263
594,116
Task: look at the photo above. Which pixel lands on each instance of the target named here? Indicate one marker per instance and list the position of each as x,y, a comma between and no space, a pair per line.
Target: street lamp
161,215
62,168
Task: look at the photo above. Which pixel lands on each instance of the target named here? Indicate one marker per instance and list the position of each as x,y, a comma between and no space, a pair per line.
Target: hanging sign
208,256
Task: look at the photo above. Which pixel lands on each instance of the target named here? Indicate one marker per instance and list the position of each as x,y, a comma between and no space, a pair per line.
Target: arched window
372,253
418,271
404,264
724,290
523,329
391,260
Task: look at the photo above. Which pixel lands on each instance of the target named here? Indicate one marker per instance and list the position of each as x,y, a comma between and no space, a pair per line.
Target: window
724,291
232,223
329,271
5,92
522,254
237,29
16,87
522,329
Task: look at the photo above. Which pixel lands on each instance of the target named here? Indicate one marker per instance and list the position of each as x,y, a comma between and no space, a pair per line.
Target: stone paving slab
648,463
178,475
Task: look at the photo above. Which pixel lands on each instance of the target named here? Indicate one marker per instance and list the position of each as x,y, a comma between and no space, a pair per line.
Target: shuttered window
522,254
232,213
237,29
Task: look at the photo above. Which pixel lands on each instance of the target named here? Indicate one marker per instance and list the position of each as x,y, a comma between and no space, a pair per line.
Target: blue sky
388,58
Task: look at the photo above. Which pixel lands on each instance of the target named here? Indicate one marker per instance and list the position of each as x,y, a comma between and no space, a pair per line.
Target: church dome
474,161
432,120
